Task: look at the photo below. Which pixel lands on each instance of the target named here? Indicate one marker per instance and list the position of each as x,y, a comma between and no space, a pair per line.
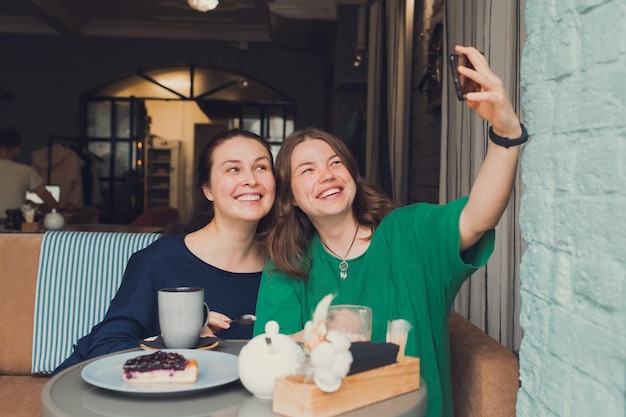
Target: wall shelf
163,174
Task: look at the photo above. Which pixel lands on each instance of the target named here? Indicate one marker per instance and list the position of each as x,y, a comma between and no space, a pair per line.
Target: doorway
185,104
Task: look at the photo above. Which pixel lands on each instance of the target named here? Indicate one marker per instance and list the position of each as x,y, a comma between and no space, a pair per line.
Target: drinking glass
354,321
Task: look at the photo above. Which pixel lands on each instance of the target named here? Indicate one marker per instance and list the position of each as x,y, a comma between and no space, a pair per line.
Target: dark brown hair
291,231
203,208
9,138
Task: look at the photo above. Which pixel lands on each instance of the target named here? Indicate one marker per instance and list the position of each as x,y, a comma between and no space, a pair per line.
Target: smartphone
462,84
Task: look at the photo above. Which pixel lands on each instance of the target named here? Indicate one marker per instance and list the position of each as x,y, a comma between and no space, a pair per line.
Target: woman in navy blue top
220,250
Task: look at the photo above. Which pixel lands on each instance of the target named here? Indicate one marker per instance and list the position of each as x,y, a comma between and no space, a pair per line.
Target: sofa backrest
485,374
53,289
19,262
79,274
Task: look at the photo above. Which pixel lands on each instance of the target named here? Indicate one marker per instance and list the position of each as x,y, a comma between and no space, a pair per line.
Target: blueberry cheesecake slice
160,367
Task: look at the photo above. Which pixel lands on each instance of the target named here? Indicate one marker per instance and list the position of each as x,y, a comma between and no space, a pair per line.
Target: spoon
245,319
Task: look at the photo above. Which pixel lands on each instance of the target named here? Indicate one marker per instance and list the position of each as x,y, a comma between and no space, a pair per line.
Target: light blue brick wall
573,214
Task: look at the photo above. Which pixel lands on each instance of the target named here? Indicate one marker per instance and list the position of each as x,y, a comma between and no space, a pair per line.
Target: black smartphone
462,84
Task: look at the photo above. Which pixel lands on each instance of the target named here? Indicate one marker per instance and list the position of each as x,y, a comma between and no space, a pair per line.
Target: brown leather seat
157,217
485,374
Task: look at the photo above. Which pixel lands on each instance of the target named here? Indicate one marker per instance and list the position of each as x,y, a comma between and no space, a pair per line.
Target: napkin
156,342
370,355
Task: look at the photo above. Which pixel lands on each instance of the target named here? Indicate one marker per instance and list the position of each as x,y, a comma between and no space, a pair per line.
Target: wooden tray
30,227
298,399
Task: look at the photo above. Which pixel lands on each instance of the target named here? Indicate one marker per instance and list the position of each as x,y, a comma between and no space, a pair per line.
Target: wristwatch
499,140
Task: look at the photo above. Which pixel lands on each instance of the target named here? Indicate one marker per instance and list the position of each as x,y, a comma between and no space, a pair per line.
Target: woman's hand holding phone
490,101
462,84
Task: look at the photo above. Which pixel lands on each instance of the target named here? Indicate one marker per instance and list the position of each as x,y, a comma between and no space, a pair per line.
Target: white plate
214,369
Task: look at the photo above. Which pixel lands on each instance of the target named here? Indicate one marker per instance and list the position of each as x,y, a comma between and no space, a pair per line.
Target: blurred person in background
16,178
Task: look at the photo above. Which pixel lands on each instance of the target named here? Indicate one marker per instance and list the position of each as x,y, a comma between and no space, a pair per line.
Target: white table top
67,395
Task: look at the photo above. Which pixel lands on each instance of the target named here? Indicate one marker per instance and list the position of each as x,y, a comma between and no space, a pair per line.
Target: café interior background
97,72
69,57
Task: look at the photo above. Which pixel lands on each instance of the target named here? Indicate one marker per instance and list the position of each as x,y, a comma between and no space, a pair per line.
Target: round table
67,395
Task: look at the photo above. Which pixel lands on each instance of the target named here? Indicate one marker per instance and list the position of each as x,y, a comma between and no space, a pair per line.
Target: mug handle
205,316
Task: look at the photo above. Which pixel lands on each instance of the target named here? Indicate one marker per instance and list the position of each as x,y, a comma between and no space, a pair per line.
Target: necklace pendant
343,269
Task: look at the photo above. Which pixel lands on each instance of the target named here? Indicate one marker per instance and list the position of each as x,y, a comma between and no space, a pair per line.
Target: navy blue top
133,313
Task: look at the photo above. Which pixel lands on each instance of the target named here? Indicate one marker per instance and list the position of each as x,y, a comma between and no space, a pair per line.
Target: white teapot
53,220
266,357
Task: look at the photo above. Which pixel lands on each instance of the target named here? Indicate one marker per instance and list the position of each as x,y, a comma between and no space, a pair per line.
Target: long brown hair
203,208
289,236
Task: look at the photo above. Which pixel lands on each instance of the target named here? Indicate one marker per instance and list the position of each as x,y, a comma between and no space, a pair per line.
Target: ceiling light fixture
203,5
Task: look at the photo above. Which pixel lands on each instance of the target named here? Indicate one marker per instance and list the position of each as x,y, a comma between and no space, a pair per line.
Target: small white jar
53,220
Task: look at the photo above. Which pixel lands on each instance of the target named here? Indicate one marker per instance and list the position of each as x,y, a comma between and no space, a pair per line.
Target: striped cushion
79,273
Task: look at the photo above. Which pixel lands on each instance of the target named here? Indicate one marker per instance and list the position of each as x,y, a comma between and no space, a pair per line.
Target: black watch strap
499,140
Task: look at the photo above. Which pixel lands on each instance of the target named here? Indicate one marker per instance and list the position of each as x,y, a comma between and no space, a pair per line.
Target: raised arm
47,198
491,190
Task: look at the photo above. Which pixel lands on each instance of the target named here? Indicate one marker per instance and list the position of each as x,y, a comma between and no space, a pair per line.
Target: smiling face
320,182
241,184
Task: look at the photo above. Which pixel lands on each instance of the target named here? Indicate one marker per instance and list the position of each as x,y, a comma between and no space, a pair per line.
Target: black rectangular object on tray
370,355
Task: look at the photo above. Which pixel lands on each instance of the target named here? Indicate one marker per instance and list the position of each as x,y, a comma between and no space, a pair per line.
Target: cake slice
161,367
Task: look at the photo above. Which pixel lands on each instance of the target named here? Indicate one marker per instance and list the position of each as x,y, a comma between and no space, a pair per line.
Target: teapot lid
272,327
272,341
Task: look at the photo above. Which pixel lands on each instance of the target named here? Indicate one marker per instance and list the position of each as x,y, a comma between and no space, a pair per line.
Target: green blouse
412,270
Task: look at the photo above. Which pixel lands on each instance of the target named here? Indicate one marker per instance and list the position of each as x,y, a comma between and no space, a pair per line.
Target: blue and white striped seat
79,273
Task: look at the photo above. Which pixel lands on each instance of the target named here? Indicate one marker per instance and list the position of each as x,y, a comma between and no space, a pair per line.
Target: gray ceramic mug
182,316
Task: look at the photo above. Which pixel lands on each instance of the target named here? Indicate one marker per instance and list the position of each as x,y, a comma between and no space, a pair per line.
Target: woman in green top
335,233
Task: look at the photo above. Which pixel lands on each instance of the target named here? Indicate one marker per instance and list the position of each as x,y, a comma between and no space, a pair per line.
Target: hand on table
217,322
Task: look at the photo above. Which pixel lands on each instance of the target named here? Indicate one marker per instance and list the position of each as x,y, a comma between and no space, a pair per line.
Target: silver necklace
343,265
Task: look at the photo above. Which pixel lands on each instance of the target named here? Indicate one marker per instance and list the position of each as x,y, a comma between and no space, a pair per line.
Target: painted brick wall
573,216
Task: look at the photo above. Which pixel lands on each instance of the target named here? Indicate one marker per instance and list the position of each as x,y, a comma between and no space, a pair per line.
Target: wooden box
30,227
298,399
